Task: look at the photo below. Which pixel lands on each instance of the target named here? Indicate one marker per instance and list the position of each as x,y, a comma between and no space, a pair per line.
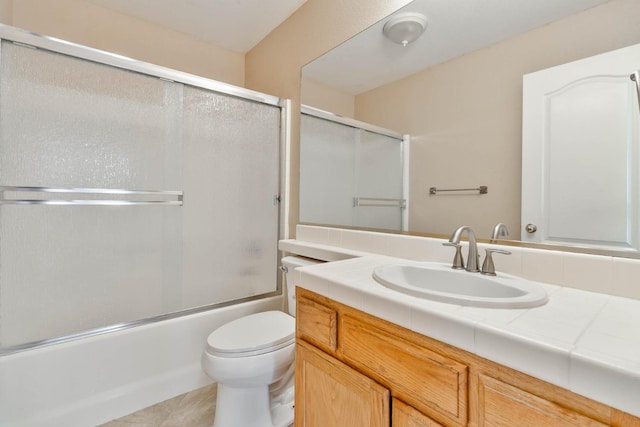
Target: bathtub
93,380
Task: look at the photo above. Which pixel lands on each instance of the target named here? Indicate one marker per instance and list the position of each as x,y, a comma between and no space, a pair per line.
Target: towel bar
483,189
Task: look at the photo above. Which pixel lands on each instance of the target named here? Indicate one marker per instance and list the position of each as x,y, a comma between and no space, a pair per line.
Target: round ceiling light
405,28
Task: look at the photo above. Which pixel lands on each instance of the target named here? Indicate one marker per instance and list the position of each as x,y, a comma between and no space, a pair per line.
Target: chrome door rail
325,115
89,202
379,202
4,351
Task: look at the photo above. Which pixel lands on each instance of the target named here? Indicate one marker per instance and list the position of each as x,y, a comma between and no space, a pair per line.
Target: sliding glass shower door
125,196
351,173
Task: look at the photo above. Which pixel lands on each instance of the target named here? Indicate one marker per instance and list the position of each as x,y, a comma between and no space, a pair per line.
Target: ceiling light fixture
405,28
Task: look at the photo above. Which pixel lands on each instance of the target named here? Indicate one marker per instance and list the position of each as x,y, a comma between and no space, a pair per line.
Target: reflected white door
580,153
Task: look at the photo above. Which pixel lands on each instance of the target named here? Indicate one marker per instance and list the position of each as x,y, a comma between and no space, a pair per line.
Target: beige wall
465,116
95,26
318,95
6,11
274,65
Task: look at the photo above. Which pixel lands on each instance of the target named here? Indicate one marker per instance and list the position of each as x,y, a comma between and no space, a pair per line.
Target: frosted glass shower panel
349,175
327,180
231,151
66,122
69,122
379,181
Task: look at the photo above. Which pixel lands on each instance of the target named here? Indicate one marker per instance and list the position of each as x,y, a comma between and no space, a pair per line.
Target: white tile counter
582,341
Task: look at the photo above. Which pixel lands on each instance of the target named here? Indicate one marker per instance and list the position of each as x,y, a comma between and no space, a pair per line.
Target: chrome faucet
499,230
473,257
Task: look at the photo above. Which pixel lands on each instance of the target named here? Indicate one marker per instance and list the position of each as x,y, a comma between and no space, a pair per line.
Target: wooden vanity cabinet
353,369
341,355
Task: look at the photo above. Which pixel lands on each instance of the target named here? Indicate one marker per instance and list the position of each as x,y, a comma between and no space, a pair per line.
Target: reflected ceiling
370,60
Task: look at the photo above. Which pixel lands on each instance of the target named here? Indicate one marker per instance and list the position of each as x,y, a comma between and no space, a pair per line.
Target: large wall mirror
457,90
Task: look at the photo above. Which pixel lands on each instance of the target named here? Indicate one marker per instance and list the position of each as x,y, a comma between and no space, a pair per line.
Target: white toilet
252,360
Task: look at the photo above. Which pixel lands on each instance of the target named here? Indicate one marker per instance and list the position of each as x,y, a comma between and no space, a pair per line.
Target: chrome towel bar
483,189
89,202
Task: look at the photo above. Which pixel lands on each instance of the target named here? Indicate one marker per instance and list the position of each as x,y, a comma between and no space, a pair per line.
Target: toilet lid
254,334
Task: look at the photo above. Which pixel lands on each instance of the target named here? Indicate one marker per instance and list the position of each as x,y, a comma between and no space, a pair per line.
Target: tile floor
193,409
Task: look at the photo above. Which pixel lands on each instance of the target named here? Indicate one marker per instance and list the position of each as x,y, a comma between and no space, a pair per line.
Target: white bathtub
93,380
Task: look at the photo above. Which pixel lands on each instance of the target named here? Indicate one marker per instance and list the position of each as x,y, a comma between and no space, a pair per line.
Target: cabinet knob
531,228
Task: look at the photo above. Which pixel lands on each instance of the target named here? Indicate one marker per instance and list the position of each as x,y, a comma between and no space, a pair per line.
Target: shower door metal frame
38,41
34,40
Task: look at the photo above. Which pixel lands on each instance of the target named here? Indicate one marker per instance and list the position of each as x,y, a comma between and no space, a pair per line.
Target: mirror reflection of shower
352,173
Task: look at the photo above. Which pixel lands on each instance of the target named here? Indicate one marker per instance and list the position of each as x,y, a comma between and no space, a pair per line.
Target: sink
439,282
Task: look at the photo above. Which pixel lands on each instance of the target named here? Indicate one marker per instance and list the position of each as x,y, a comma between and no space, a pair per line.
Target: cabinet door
503,405
404,415
329,393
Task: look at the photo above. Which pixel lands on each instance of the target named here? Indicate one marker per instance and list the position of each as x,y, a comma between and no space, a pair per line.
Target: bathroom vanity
355,369
368,355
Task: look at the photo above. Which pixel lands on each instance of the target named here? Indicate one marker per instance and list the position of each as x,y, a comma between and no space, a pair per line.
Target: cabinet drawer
501,404
430,382
317,324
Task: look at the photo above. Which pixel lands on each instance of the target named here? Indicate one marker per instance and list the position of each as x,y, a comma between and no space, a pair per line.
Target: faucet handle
499,230
487,267
458,261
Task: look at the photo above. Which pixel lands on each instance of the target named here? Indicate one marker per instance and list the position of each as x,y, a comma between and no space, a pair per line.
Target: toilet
252,360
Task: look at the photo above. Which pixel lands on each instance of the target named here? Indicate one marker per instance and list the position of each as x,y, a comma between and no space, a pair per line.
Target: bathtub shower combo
130,195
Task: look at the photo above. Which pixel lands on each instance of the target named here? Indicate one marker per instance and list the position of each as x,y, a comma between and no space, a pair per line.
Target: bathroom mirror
457,90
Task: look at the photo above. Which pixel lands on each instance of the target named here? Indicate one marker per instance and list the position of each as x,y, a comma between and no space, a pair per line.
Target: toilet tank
289,264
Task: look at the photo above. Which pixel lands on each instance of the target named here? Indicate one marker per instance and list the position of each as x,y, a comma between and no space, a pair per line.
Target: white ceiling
237,25
455,27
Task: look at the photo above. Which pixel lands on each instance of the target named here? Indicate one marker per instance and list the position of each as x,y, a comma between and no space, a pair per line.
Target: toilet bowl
252,360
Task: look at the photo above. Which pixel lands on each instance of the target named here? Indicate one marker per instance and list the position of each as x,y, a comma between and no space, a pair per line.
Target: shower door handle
636,78
159,196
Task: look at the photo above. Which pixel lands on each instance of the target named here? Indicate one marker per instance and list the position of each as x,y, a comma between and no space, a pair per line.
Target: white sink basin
442,283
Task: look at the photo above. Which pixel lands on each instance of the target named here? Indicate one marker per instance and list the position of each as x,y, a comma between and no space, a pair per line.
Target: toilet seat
252,335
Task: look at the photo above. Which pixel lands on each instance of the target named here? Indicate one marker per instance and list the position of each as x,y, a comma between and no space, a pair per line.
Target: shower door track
326,115
38,41
126,325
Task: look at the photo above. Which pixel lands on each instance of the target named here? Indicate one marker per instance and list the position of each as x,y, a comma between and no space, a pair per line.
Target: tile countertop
582,341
